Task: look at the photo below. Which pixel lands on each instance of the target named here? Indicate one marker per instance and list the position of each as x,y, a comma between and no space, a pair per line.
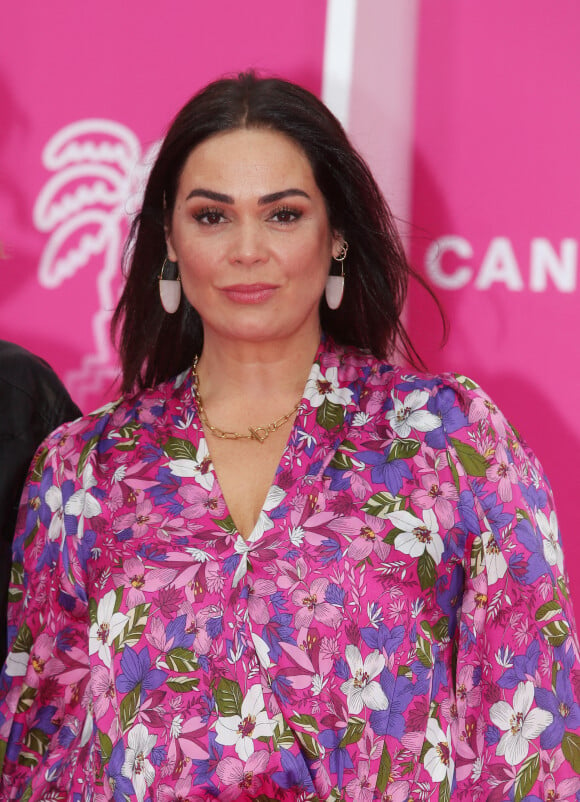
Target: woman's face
251,235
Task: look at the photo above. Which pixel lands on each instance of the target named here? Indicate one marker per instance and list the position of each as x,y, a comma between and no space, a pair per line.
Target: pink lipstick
249,293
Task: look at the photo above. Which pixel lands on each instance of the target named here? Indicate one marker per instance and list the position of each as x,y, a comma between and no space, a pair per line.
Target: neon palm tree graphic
97,184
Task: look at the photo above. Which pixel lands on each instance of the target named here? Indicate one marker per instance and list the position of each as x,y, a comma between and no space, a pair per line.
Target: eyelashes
212,216
209,216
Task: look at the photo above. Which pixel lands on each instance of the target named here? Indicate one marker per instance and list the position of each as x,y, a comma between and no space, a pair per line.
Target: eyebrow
219,197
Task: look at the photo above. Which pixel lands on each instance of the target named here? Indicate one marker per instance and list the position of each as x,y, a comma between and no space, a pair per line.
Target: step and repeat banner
467,112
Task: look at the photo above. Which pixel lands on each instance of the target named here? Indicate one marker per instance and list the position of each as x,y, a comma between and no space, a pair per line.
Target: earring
169,289
334,289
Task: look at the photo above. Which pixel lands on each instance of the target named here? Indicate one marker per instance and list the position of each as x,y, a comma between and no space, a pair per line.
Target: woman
387,619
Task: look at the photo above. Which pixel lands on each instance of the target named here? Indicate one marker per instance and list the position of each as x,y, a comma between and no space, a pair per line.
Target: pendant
258,433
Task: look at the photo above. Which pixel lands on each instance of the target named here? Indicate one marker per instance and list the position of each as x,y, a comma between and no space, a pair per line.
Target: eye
209,217
285,215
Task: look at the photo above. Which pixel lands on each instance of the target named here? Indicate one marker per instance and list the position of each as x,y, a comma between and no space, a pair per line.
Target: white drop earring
334,289
169,289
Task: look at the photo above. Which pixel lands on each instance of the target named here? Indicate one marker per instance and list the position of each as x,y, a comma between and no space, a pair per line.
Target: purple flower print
294,772
531,539
563,707
523,667
339,756
444,405
121,786
391,474
400,693
136,670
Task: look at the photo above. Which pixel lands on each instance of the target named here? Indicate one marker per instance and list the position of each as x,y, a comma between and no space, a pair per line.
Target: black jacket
33,402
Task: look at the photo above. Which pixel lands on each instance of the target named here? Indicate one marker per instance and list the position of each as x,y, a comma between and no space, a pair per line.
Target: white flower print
552,548
322,386
241,731
199,469
82,503
362,690
417,536
136,766
264,523
438,760
409,414
54,501
106,628
494,559
519,723
361,419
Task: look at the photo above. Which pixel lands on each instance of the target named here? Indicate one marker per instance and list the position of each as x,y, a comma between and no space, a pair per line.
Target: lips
249,293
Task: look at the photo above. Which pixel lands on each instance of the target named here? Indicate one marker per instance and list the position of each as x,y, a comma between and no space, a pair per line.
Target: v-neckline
305,409
252,537
299,421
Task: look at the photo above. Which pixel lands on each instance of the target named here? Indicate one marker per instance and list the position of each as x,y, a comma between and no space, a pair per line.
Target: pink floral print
397,626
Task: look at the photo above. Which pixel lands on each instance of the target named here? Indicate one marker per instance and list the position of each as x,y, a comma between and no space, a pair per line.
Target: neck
275,369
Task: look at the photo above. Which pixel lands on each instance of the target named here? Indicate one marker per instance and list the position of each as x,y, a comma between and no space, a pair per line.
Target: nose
248,244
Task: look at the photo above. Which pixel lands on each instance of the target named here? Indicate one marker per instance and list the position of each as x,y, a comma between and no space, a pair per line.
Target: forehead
248,158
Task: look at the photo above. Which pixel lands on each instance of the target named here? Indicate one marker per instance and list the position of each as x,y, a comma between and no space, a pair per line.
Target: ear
337,243
171,252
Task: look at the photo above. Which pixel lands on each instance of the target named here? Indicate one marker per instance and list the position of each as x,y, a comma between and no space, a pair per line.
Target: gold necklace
259,433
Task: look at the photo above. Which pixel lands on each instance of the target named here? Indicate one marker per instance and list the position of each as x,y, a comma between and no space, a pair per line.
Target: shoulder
143,411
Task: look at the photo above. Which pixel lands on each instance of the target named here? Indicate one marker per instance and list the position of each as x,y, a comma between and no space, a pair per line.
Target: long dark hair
154,345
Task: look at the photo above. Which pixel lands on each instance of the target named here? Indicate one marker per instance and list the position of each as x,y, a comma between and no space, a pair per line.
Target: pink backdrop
467,112
495,216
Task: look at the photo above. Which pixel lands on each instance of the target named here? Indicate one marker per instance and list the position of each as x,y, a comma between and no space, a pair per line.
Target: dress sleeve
517,718
44,709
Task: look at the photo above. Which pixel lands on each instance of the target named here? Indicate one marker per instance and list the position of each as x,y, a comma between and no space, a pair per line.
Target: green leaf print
129,708
86,452
477,557
426,570
404,449
228,698
93,610
548,610
182,684
182,660
571,750
441,629
36,740
341,462
563,587
473,462
15,592
329,415
227,524
381,504
135,626
444,790
453,469
26,699
176,448
24,639
283,736
309,744
36,474
130,437
556,632
354,730
106,746
306,722
424,653
527,776
384,770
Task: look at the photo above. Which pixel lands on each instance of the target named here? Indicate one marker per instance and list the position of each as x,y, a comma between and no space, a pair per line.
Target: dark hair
155,346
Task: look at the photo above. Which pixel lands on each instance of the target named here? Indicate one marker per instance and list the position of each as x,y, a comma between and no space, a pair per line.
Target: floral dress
396,627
